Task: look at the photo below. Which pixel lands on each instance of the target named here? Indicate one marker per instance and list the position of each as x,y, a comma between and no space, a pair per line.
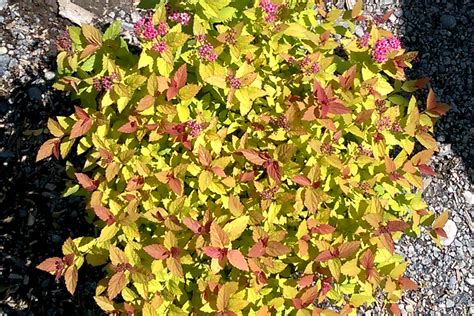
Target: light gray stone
3,4
3,50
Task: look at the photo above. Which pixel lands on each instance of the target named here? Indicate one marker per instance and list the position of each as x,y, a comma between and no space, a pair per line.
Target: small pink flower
200,37
107,83
234,82
195,128
206,52
162,28
145,28
96,83
384,47
364,40
271,9
180,17
160,47
64,42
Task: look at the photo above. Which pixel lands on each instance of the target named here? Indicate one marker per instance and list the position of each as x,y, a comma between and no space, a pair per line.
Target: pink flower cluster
105,83
160,47
180,17
145,28
64,42
195,128
271,10
162,28
206,52
364,40
234,82
385,46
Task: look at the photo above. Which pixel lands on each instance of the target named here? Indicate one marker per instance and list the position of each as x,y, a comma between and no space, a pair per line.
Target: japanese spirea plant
251,159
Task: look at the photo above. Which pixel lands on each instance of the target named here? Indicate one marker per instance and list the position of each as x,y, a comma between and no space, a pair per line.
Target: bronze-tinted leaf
257,250
274,171
237,260
301,180
157,251
174,265
50,264
47,149
324,256
219,238
212,252
117,283
70,277
397,226
175,185
145,103
81,127
347,249
407,284
253,156
87,183
276,249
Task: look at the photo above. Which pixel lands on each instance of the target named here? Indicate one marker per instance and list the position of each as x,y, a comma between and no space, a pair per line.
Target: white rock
75,13
49,75
3,50
469,197
450,229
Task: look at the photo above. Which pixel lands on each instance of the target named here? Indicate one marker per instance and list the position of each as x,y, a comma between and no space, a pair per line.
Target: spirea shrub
251,159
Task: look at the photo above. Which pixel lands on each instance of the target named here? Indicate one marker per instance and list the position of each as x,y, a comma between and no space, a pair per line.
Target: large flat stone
99,7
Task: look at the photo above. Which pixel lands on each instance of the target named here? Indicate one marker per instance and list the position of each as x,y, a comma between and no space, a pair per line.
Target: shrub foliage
251,159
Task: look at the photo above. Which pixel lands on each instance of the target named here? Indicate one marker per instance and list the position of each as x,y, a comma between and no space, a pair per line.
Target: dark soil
35,219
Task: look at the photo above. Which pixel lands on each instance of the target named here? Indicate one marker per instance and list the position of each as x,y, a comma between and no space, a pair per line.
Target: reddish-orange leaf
219,238
253,156
347,249
274,171
422,82
397,226
367,260
276,249
407,284
104,214
257,250
129,127
347,79
205,157
50,264
309,296
247,176
116,284
324,256
87,183
390,165
323,229
135,183
426,170
387,241
301,180
80,113
175,185
193,225
212,252
395,310
81,127
48,148
440,232
364,116
70,277
145,103
306,281
157,251
218,171
181,76
237,260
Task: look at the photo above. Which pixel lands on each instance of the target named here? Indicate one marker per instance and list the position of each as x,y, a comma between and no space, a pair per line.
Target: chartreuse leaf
311,215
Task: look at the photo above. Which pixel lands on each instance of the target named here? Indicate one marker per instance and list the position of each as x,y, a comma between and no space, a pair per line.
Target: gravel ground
35,221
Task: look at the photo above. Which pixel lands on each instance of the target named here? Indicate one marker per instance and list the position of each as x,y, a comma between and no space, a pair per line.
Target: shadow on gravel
35,220
443,33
